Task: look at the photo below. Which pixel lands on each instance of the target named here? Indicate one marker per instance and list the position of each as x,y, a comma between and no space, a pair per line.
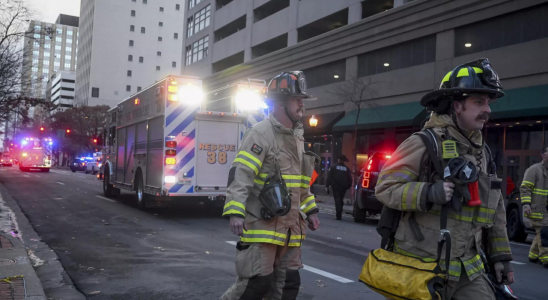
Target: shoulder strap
444,233
491,166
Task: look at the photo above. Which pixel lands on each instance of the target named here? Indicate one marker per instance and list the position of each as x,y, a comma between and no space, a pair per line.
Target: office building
126,46
61,89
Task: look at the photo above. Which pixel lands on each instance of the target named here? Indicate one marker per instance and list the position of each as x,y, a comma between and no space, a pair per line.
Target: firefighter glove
504,272
440,192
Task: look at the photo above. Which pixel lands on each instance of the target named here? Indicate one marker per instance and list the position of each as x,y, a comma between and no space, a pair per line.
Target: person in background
339,179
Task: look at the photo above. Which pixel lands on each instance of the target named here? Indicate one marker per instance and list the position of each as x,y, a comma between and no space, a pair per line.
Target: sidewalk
326,202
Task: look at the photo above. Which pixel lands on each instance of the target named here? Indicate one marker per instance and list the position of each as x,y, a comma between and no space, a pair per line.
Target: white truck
164,148
94,164
36,153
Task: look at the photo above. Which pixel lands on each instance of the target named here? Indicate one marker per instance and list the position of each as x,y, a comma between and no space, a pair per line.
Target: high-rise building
126,46
49,48
60,90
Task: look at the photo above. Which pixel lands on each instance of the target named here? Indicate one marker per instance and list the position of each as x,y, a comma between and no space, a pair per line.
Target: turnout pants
537,251
338,195
266,271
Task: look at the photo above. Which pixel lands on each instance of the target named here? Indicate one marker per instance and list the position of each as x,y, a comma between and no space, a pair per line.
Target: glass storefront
328,147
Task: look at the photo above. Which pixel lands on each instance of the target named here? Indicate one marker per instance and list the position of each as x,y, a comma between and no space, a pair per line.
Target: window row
198,21
158,68
143,30
177,7
192,3
197,51
128,88
160,39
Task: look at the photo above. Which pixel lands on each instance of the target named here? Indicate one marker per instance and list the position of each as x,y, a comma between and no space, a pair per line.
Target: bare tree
359,92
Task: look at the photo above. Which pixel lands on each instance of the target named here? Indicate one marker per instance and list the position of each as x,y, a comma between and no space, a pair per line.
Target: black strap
445,236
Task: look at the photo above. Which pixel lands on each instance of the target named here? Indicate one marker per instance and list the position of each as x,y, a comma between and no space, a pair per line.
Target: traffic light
42,129
95,141
67,132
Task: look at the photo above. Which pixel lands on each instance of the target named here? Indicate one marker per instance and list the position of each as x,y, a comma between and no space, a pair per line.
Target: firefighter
340,180
269,198
408,183
534,189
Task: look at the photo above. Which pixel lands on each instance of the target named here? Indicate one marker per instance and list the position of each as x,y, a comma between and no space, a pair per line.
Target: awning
325,122
398,115
523,102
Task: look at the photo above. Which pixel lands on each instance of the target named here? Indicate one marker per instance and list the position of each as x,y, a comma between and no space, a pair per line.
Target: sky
49,10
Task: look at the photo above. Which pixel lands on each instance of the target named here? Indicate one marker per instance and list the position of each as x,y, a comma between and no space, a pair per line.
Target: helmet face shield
275,198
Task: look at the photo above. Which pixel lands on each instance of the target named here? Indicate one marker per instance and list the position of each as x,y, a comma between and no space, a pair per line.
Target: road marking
60,183
109,200
517,262
317,271
28,176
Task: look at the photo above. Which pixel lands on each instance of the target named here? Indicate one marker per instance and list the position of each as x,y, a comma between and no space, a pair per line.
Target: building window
130,58
201,19
133,0
133,13
128,88
412,53
192,3
131,28
200,49
161,24
157,68
177,7
159,39
514,28
161,9
143,29
174,64
128,73
67,66
159,53
131,43
176,35
95,92
190,26
141,59
144,1
138,89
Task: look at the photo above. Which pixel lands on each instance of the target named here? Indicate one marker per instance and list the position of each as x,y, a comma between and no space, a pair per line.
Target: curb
38,263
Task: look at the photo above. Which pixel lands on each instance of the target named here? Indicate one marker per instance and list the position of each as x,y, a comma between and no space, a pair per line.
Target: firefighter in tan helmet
268,198
476,214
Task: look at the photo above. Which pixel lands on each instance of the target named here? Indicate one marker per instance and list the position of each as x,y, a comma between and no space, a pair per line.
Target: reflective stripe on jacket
253,163
534,191
402,186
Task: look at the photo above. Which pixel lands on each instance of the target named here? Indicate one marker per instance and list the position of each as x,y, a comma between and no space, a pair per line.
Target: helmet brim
438,95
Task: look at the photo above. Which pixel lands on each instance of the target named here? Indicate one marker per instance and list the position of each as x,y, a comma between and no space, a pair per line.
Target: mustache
301,110
484,115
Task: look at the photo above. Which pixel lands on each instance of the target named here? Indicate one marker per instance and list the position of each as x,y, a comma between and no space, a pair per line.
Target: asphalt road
111,250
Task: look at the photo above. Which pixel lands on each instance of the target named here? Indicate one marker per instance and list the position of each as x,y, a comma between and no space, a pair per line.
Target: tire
514,226
139,192
359,214
44,170
73,170
108,190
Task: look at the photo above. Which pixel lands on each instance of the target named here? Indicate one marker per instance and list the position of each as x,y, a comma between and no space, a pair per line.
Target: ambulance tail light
171,144
171,160
365,183
171,152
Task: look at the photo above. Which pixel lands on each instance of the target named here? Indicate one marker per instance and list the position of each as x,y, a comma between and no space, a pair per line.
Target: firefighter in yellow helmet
269,199
410,184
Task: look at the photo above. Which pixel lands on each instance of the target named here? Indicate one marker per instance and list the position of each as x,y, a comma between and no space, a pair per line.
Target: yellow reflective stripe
232,212
463,72
301,185
263,175
540,192
235,203
298,177
477,70
533,255
245,162
253,158
309,207
526,198
262,240
535,216
446,78
306,200
266,232
257,181
294,244
525,182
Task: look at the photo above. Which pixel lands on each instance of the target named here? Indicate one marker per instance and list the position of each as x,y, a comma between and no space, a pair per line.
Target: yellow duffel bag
397,276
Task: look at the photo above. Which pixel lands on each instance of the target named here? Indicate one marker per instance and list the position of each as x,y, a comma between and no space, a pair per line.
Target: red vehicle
365,202
6,160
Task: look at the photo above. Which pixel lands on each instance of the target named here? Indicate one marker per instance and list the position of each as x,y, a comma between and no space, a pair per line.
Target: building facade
126,46
48,48
61,90
399,54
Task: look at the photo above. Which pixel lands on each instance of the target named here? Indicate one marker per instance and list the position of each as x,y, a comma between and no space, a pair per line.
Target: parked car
365,202
94,165
517,226
6,160
78,164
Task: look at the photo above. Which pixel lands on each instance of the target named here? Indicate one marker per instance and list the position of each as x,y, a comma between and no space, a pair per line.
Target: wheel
73,170
139,192
44,170
108,190
514,227
359,214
